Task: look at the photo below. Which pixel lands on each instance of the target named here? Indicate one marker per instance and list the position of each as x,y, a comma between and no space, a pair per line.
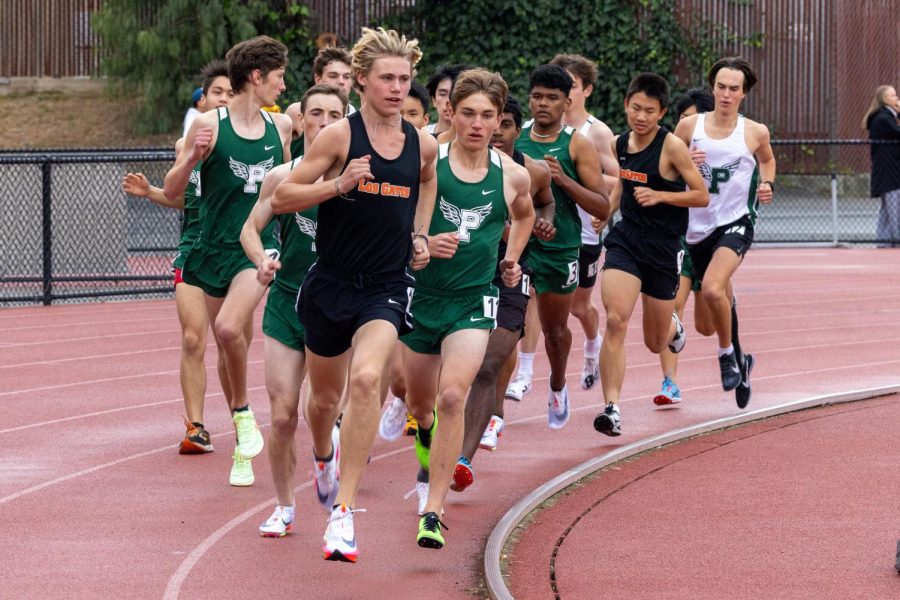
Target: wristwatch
771,185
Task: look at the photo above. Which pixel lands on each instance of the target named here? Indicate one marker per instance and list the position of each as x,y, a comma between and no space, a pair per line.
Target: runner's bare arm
261,216
591,193
198,144
517,189
425,204
675,153
285,132
766,159
302,189
602,138
136,184
542,198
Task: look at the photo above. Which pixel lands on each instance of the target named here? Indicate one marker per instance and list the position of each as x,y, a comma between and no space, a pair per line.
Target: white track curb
507,524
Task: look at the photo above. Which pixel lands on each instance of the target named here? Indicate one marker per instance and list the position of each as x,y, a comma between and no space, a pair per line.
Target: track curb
496,585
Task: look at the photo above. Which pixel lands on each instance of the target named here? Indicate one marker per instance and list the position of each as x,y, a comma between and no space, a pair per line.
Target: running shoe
463,475
196,439
518,388
411,425
742,391
340,540
430,531
279,524
558,408
493,431
393,419
241,471
670,394
731,374
250,440
423,446
590,372
327,475
421,492
677,343
609,422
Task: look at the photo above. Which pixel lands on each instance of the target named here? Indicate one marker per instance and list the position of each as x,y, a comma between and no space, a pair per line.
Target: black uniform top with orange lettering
367,230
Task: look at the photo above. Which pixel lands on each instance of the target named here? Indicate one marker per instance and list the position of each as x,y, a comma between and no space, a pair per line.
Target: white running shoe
518,388
280,523
250,440
590,372
493,431
393,419
340,539
327,474
558,408
421,490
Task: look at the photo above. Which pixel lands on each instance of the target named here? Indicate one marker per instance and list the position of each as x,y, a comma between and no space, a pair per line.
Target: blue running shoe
670,394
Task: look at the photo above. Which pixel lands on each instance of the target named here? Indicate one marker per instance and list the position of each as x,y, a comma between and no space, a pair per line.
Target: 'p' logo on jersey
251,174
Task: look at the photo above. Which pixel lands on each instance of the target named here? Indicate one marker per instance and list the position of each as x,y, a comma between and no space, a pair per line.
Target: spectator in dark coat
881,121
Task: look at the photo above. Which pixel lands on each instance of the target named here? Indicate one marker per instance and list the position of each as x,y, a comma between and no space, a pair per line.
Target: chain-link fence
70,232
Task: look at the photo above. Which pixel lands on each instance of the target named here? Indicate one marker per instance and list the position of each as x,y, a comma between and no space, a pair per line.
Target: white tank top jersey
588,236
731,175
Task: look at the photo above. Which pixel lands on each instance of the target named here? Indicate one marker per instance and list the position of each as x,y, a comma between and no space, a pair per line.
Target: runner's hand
543,230
136,185
357,170
556,172
764,192
443,245
421,256
266,271
646,197
598,225
201,143
510,272
698,156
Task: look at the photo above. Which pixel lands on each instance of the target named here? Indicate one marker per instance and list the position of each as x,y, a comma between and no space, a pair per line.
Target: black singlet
642,169
367,231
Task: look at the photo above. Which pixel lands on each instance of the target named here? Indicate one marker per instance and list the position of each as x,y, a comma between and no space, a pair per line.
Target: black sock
320,459
241,409
422,476
197,425
734,331
425,434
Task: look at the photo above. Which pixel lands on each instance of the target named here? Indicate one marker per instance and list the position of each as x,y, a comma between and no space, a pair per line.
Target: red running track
95,501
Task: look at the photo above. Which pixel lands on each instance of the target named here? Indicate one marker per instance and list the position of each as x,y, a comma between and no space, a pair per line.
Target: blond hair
877,103
379,43
480,81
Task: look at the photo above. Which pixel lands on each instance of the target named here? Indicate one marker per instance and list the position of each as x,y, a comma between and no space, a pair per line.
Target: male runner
736,160
455,305
375,203
332,67
584,75
484,408
695,100
643,250
237,146
577,181
189,300
440,85
320,106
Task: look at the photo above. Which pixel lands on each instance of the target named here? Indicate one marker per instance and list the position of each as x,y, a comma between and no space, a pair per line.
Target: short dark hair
450,72
329,54
699,97
418,91
214,68
512,106
261,52
651,85
325,89
737,63
585,69
552,77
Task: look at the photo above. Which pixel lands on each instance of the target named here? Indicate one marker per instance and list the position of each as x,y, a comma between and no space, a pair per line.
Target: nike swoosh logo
485,192
555,149
269,148
392,301
351,542
476,319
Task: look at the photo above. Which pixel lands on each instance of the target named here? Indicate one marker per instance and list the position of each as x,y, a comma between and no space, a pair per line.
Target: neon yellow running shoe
430,531
250,440
241,471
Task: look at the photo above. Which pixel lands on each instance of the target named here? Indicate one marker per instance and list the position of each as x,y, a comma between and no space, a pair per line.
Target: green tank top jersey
475,211
297,147
190,217
298,245
231,178
566,219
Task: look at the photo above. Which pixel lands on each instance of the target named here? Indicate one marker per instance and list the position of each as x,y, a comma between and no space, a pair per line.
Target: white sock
728,350
592,347
526,365
289,513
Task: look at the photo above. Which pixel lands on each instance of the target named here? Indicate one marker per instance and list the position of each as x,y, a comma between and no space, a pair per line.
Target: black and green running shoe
430,531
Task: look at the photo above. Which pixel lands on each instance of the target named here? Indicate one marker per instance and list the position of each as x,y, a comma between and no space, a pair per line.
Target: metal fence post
47,266
834,210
